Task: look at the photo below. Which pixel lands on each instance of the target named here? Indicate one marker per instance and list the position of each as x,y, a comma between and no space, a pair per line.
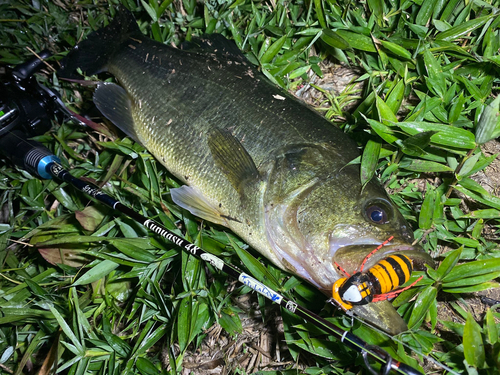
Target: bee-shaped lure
380,282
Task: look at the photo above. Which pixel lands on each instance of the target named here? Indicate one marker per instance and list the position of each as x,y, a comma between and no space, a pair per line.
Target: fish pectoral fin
232,159
113,102
192,200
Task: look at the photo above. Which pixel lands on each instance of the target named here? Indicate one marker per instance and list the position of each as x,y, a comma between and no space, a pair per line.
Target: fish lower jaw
291,265
317,273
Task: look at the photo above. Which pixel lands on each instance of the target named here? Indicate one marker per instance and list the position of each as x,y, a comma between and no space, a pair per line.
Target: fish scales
252,156
196,102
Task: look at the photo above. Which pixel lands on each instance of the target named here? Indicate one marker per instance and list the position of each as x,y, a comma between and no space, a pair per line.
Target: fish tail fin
92,54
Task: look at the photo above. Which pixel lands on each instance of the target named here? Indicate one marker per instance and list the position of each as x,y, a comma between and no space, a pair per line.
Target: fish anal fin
232,159
192,200
113,102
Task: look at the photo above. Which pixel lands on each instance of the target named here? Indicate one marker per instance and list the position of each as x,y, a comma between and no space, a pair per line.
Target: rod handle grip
27,154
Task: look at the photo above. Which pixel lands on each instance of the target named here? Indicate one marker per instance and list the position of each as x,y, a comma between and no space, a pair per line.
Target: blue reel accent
43,163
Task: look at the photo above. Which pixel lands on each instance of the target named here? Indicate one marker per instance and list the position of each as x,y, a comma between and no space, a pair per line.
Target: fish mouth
351,257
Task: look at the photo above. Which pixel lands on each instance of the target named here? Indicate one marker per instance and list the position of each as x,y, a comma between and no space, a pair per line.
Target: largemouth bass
253,157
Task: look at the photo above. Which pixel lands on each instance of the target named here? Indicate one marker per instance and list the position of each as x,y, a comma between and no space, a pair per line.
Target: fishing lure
378,283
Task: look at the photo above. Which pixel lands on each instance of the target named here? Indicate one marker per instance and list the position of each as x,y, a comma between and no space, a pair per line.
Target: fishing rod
21,113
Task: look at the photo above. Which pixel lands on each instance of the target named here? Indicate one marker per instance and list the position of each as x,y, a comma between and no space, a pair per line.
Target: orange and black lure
379,283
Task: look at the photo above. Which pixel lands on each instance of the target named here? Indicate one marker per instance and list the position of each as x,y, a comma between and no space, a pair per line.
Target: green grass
430,78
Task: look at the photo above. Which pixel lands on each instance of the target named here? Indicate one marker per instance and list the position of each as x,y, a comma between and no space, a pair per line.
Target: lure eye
376,214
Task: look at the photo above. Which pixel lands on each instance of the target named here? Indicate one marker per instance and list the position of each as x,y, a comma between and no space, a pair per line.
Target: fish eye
377,213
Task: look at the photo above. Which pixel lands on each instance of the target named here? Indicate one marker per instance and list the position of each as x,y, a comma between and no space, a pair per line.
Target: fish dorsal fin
192,200
232,159
215,43
113,102
93,54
